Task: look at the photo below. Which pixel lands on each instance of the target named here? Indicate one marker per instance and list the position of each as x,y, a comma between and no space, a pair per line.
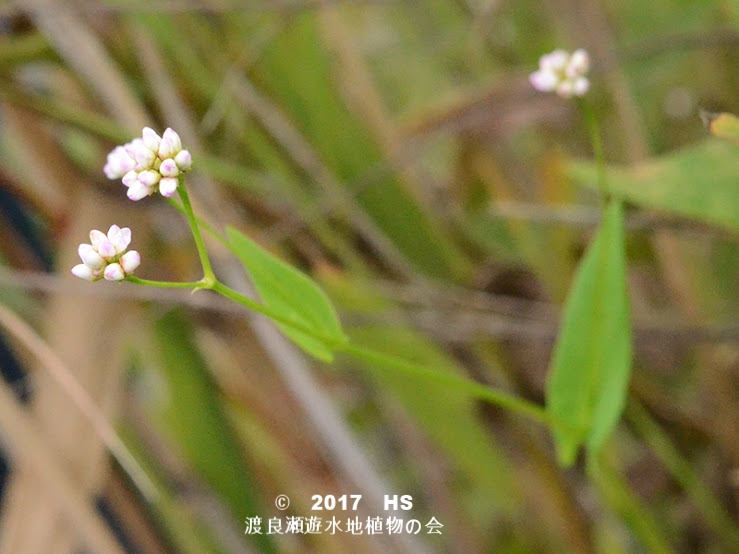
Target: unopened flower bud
169,168
149,163
183,160
151,139
106,249
106,256
120,238
170,145
137,191
83,272
130,261
114,272
96,237
168,186
144,156
118,163
90,256
149,178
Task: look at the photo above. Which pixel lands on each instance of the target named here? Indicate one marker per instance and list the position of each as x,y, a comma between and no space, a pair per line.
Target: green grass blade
192,419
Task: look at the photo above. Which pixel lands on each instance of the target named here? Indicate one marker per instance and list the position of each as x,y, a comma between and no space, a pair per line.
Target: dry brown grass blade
94,358
303,154
64,377
80,48
28,449
96,367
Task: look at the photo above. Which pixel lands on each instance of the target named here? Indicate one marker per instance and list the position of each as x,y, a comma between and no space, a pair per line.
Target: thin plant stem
168,284
517,405
523,407
208,275
250,303
596,142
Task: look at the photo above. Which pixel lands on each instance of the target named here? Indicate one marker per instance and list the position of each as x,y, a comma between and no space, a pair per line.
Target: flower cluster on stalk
562,73
106,257
149,164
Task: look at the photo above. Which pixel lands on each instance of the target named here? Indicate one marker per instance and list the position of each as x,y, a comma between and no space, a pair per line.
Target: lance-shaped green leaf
292,296
700,182
591,362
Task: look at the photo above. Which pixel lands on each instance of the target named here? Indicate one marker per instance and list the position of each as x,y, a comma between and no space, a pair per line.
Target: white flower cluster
562,73
149,163
106,256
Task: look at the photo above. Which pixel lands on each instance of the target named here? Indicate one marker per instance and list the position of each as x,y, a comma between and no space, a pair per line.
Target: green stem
596,142
252,304
208,276
168,284
523,407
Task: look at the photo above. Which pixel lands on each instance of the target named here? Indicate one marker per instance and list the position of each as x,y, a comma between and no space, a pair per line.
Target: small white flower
149,164
562,73
106,256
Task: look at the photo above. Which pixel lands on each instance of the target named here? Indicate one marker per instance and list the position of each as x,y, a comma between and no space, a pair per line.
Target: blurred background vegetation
395,151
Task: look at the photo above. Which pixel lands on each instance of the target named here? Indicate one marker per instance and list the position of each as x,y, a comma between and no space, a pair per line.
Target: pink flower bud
149,178
120,238
554,61
151,139
83,272
168,186
169,168
96,237
170,145
138,151
114,272
130,178
579,63
130,261
543,81
106,249
183,160
580,86
118,163
90,257
137,191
